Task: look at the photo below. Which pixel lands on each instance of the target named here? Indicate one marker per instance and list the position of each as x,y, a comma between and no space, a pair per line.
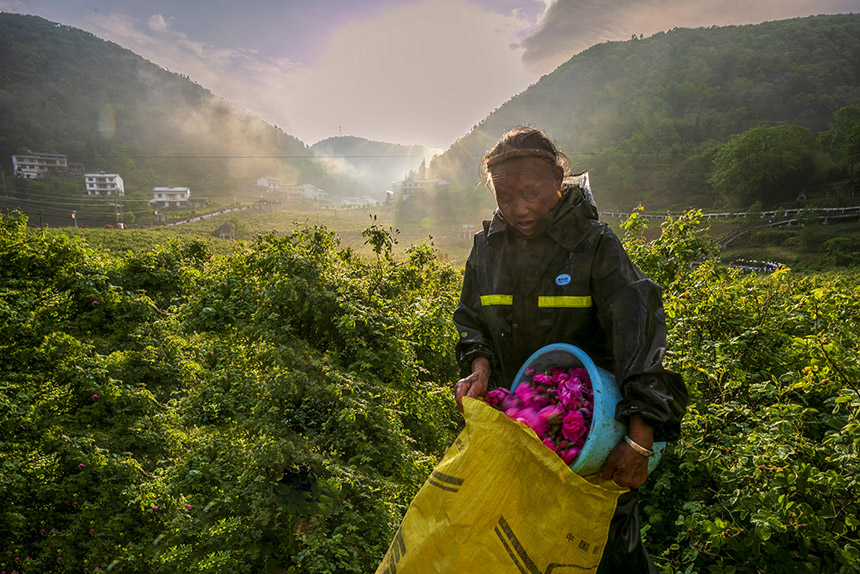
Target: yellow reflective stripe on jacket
488,300
581,301
565,301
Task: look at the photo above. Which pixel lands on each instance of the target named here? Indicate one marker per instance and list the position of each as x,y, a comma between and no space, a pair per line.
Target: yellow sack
500,501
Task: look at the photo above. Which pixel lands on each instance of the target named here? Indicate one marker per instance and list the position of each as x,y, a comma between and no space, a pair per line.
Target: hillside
647,116
63,90
374,164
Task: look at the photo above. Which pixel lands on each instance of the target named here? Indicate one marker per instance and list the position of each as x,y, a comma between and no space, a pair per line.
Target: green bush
159,405
764,478
275,409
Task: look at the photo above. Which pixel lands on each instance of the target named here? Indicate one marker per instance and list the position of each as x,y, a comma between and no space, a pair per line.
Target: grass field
347,223
813,248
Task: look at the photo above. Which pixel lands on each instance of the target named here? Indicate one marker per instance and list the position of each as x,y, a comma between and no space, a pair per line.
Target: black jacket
570,282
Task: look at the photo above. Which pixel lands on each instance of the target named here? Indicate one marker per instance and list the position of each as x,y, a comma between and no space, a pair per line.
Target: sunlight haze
398,71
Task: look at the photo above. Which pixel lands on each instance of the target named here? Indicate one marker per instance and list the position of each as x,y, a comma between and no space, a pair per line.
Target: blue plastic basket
605,432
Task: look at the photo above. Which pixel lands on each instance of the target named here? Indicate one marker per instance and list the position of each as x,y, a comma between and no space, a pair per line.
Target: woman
545,271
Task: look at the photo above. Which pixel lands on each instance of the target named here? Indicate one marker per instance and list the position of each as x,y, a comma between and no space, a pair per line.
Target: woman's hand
475,385
625,466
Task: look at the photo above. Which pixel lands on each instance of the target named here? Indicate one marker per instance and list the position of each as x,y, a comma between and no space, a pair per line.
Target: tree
770,164
844,137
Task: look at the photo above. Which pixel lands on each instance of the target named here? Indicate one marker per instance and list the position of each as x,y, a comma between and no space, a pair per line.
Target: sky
403,71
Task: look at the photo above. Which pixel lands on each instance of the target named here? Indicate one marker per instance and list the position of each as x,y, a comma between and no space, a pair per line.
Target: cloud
567,27
237,74
157,23
422,73
13,6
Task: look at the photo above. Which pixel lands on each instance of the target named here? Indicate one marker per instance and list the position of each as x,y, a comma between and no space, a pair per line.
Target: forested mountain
647,117
63,90
375,164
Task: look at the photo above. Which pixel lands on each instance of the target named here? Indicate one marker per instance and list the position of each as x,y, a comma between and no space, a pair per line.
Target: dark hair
525,138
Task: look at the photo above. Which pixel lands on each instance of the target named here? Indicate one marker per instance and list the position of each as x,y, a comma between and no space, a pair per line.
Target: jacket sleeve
474,339
630,310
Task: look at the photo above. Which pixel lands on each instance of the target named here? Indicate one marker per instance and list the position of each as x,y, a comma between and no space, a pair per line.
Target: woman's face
526,189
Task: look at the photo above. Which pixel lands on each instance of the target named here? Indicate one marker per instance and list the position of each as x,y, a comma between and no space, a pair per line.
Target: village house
467,231
107,184
170,197
411,186
303,191
275,188
225,232
271,184
33,165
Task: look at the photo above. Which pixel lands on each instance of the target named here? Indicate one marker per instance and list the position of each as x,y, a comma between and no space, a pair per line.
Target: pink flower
568,454
94,303
155,507
542,379
82,465
580,374
557,404
573,426
502,399
533,420
496,397
570,393
524,392
95,396
74,503
552,414
188,506
549,443
531,395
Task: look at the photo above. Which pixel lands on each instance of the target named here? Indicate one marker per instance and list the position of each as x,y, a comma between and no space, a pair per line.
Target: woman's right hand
475,385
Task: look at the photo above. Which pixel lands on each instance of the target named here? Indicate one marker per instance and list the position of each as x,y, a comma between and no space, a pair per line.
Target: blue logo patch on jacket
562,279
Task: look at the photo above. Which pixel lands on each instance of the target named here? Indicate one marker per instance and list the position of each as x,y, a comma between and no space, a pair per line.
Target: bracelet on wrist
646,452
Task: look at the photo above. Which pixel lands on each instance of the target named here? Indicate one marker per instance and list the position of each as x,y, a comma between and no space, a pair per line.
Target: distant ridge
375,164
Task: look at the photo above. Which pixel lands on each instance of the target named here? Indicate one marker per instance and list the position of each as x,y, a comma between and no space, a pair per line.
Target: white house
304,191
170,197
467,231
271,184
109,184
410,186
32,164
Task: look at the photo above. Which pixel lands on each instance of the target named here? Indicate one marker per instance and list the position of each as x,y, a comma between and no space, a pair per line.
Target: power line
364,156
